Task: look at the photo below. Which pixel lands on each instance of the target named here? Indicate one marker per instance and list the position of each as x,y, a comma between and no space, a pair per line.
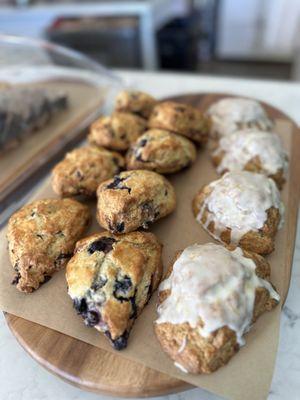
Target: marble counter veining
21,378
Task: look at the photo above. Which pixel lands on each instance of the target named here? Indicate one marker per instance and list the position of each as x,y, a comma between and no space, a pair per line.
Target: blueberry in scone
241,209
83,169
135,102
116,132
134,199
161,151
209,300
41,239
111,278
182,119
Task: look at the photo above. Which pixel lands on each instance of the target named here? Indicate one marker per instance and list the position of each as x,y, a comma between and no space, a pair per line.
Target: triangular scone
41,238
208,301
111,278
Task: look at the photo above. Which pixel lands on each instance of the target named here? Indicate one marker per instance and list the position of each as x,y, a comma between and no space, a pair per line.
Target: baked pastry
210,299
111,278
116,132
134,199
235,113
161,151
41,239
83,169
252,150
135,102
242,209
182,119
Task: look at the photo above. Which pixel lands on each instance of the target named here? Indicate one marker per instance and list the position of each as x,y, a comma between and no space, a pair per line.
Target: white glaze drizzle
240,200
213,285
179,366
244,145
233,113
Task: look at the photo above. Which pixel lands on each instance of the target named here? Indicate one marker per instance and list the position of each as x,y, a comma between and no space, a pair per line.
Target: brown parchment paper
248,375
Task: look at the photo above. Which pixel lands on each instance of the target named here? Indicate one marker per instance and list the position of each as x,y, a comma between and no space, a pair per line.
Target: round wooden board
97,370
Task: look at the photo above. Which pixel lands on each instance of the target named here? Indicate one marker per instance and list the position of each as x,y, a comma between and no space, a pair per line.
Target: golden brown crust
133,199
111,278
161,151
83,169
207,354
261,241
182,119
116,132
41,238
135,102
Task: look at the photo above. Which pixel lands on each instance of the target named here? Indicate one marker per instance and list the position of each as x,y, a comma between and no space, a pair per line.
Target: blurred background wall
251,38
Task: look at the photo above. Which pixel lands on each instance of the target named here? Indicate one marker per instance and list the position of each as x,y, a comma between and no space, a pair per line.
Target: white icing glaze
240,200
181,367
242,146
182,346
214,285
233,113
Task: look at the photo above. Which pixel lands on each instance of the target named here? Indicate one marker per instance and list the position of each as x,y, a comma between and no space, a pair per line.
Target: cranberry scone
235,113
41,239
135,102
111,278
210,298
161,151
241,209
254,151
134,199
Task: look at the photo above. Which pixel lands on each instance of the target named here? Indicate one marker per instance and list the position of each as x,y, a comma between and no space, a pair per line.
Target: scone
116,132
182,119
210,299
252,150
134,199
83,169
161,151
241,209
135,102
41,239
111,278
235,113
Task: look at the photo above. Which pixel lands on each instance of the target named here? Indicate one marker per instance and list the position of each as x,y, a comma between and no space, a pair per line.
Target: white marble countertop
21,378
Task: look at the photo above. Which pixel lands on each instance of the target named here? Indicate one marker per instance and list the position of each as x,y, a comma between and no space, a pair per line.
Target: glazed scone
161,151
210,299
134,199
41,239
182,119
241,209
254,151
83,169
235,113
135,102
111,278
116,132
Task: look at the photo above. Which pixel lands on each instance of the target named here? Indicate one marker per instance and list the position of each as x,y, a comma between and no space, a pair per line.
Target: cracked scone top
234,113
209,290
251,146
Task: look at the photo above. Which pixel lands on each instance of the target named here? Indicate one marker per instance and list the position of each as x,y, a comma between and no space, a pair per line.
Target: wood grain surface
100,371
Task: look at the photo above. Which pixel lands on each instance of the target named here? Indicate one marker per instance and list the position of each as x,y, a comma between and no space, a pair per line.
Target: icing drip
214,285
240,200
233,113
244,145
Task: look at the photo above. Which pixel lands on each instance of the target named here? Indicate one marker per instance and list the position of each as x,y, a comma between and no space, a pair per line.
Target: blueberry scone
241,209
161,151
134,199
208,301
235,113
252,150
135,102
116,132
182,119
41,239
111,278
83,169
